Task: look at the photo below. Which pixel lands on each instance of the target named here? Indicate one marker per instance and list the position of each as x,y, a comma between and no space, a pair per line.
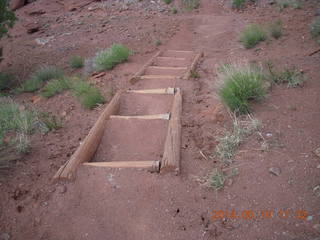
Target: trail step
165,116
154,91
172,58
174,71
153,166
158,76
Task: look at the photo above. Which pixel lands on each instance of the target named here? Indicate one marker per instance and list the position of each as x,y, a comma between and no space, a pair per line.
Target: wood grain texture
171,157
153,166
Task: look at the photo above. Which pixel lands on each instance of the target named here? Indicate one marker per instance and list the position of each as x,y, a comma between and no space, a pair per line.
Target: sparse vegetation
20,123
238,4
109,58
7,18
217,178
315,28
174,10
251,35
55,86
282,4
191,4
76,62
167,1
292,76
275,29
195,74
88,95
231,140
5,81
37,80
239,84
158,42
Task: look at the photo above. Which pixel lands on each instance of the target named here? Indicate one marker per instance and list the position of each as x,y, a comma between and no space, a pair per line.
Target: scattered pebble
275,171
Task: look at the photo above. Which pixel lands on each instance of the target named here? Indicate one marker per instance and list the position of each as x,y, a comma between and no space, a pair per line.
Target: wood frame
171,157
90,144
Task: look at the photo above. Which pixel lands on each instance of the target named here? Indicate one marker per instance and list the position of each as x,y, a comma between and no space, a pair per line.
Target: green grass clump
5,81
167,1
315,28
238,4
37,80
191,4
55,86
275,29
108,58
158,42
282,4
239,84
88,95
291,76
174,10
76,62
217,179
251,35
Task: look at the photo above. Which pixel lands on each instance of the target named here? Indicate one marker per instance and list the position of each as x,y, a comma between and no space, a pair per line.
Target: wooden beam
90,144
153,91
136,76
173,58
179,51
171,157
165,116
152,166
193,65
158,76
168,68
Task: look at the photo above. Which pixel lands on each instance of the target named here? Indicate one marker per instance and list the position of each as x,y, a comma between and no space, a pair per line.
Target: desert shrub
291,76
167,1
55,86
239,84
158,42
76,62
251,35
44,74
282,4
87,95
275,29
7,18
238,4
6,81
315,28
191,4
108,58
229,143
174,10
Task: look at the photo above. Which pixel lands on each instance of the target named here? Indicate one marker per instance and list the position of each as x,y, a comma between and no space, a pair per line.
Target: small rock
309,218
317,152
269,134
37,12
5,236
275,171
32,28
317,227
61,189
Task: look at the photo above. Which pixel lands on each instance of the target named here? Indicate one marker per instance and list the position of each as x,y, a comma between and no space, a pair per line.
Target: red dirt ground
133,204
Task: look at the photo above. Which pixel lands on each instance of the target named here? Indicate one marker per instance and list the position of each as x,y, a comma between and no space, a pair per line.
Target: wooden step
165,116
158,77
178,54
172,58
153,166
154,91
158,70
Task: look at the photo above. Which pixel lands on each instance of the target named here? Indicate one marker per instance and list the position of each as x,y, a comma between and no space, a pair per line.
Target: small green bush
76,62
55,86
7,18
158,42
315,28
191,4
174,10
275,29
167,1
251,35
240,83
282,4
5,81
292,76
238,4
36,81
88,95
107,59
